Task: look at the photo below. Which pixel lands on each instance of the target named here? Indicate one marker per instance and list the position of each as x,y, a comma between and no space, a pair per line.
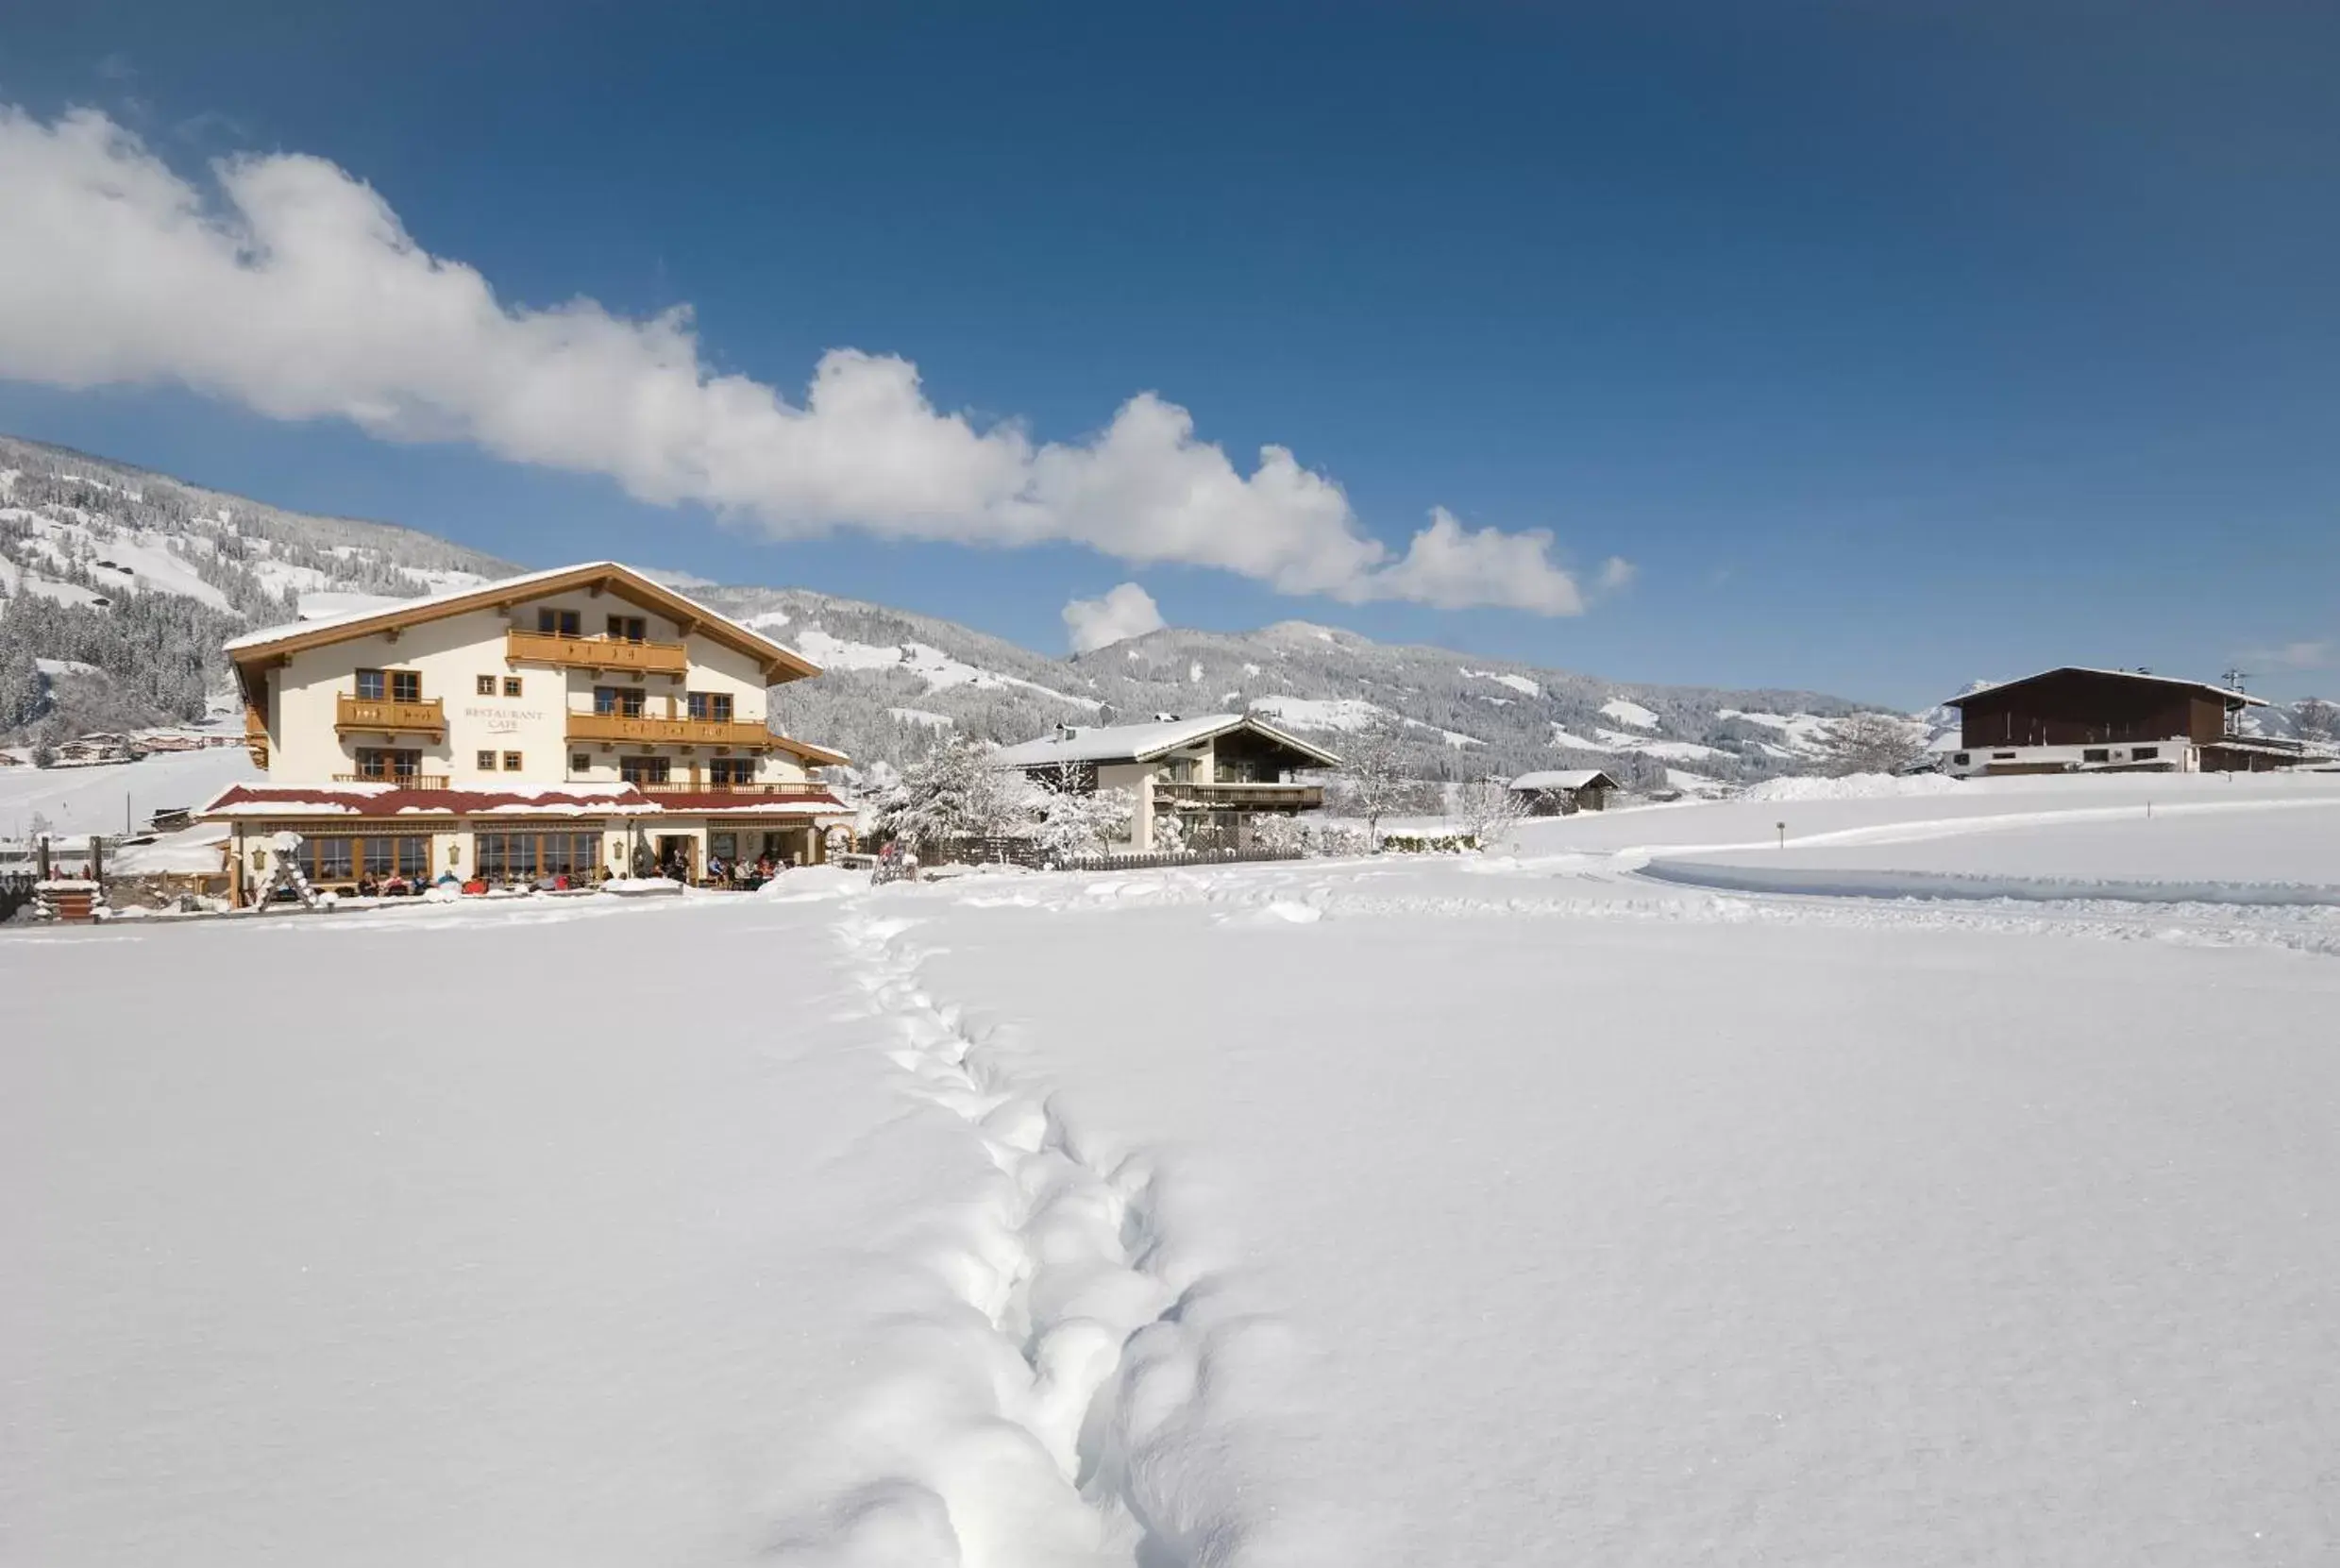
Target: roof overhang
2232,698
779,663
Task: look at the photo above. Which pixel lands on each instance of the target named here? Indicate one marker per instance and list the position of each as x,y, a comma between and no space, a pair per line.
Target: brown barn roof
2232,698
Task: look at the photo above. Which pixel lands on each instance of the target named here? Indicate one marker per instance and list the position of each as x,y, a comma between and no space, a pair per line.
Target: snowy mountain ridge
139,577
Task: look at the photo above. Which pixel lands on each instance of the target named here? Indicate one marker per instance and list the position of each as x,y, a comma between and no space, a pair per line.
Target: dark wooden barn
2096,719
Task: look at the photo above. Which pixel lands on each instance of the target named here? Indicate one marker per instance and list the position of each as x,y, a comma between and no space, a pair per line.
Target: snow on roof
606,800
1565,778
269,635
1142,742
2233,698
393,800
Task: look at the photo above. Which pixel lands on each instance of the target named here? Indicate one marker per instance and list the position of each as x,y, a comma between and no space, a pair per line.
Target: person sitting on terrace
367,887
397,887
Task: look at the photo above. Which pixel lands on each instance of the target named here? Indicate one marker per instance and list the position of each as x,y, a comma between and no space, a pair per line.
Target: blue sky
1891,346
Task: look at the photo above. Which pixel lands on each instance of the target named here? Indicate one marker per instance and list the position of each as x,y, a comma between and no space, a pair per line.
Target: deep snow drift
1494,1210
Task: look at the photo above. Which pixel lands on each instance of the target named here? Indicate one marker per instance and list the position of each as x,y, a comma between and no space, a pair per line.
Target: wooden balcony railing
671,732
798,788
596,653
382,717
1282,797
404,781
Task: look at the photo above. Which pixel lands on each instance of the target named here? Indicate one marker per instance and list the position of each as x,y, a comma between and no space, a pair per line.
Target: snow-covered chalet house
1218,773
581,723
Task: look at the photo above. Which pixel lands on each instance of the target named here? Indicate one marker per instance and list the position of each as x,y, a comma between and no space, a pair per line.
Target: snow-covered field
1516,1209
77,801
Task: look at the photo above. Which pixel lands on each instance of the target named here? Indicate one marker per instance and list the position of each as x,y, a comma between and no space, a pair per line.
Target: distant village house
1564,792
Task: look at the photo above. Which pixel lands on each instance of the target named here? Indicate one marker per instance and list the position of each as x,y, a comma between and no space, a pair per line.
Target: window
716,706
629,629
1964,758
486,761
347,859
2144,754
558,623
406,685
625,701
580,762
371,686
333,860
2095,754
726,771
512,761
641,770
487,685
373,764
2002,757
725,845
511,685
525,856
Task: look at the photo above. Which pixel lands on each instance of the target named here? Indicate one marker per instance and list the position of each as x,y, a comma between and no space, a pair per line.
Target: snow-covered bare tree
1373,781
1487,808
956,793
2317,720
1170,833
1872,743
1076,818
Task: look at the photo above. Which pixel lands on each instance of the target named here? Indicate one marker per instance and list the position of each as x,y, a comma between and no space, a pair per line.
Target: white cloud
297,292
1123,613
2314,655
1452,567
1616,573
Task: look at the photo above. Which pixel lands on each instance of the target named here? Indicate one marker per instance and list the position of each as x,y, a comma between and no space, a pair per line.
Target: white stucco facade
562,726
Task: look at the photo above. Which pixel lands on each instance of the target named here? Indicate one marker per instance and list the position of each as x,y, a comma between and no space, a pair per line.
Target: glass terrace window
371,686
406,685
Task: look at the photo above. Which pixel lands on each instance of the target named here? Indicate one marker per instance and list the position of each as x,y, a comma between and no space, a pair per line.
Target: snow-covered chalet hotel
582,723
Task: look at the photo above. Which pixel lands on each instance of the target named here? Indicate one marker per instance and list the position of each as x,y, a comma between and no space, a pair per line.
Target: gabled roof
2232,699
1145,742
1565,778
779,663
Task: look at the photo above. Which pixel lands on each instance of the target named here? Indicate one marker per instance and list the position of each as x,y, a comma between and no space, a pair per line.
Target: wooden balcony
1239,796
404,781
619,729
797,789
596,653
256,737
366,716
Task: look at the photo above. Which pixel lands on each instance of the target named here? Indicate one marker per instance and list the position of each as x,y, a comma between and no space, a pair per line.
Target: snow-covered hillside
141,576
